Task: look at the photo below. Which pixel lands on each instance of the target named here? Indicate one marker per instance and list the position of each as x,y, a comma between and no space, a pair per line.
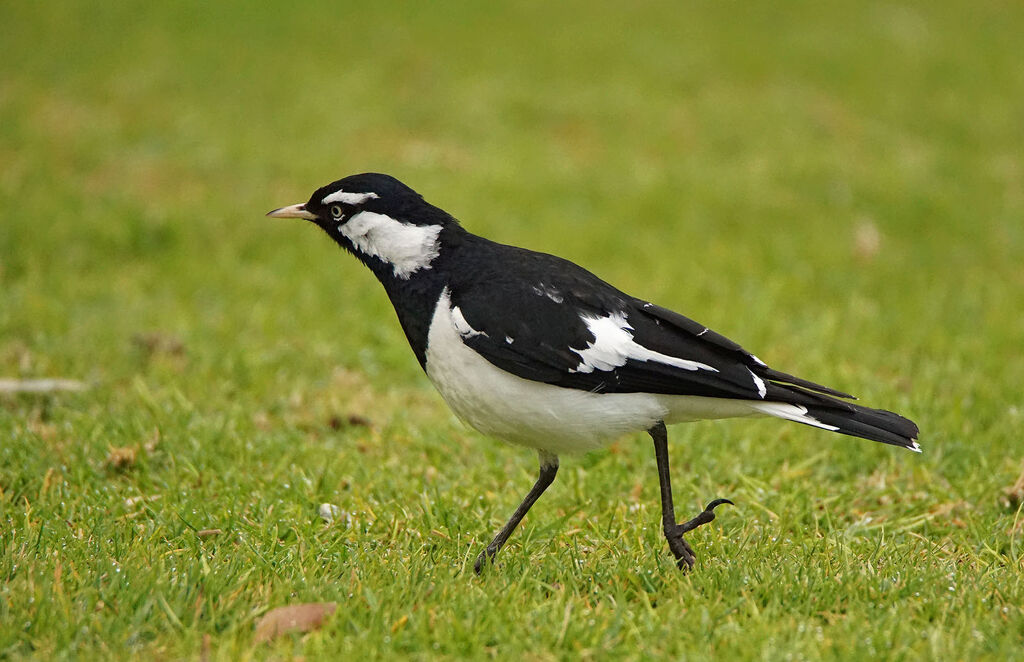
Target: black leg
548,469
685,557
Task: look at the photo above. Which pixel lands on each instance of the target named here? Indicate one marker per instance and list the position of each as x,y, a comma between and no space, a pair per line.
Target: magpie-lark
535,350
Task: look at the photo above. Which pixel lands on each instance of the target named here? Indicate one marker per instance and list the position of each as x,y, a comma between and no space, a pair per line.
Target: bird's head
386,224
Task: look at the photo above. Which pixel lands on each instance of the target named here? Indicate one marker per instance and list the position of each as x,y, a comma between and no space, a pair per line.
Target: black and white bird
537,351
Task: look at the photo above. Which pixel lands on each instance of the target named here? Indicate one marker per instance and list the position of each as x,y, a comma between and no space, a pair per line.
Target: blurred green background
837,186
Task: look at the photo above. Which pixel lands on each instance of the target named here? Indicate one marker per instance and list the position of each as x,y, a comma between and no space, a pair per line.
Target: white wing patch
613,345
549,291
462,326
348,198
405,246
790,412
759,383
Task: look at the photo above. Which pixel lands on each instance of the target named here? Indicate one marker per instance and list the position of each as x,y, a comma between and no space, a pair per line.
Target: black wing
530,319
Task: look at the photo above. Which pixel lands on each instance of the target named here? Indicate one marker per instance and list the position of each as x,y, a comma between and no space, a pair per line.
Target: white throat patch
405,246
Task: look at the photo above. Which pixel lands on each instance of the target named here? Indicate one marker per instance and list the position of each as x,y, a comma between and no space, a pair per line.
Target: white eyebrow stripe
348,198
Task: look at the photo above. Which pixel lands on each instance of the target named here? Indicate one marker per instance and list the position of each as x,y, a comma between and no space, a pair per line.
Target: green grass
719,158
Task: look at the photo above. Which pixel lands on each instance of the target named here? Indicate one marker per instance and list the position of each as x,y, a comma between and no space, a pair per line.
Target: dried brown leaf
1014,495
357,421
159,343
121,457
293,618
336,422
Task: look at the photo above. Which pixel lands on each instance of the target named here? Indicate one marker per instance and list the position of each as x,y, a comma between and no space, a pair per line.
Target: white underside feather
553,418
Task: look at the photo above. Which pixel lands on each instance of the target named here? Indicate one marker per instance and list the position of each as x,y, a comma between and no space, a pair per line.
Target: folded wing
559,324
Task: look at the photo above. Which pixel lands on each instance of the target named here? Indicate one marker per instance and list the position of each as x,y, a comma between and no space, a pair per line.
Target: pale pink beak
293,211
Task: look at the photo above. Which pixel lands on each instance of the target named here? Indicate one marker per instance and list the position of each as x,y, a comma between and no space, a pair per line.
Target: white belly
542,416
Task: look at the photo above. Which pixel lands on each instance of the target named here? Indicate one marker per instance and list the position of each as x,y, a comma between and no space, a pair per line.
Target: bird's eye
337,211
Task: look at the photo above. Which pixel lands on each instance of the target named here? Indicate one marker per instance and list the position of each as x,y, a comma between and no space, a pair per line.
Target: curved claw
716,503
685,558
703,517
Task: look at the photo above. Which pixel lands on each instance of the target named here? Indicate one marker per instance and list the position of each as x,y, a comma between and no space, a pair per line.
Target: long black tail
823,410
874,424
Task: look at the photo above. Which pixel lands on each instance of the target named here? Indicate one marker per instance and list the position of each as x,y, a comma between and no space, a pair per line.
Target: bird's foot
685,558
486,558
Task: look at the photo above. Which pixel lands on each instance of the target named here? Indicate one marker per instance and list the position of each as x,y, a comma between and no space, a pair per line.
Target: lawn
839,187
